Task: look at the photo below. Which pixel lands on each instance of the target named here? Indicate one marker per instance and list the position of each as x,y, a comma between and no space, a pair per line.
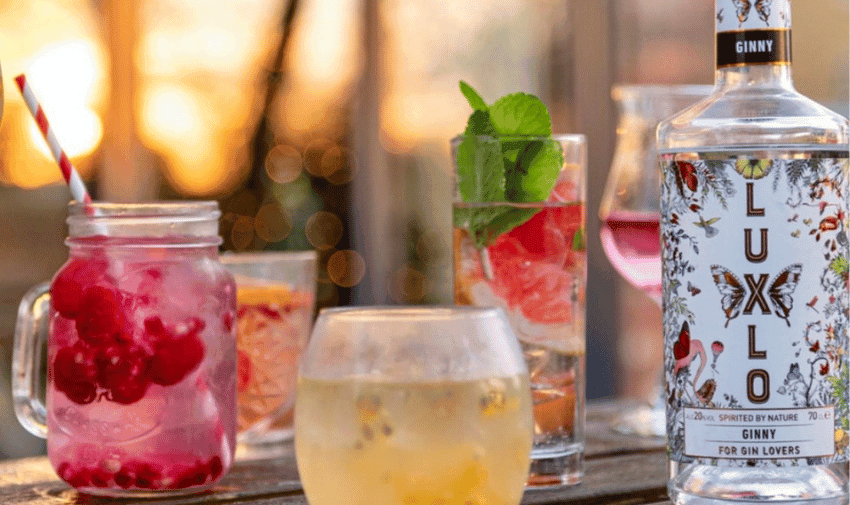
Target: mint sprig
495,164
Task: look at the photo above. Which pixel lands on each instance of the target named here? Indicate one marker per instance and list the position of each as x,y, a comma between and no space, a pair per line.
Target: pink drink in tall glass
141,381
141,390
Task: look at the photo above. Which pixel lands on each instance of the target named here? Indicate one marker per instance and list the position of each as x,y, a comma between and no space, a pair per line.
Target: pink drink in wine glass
632,244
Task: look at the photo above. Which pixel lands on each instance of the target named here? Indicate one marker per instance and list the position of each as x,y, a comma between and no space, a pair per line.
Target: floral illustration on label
766,233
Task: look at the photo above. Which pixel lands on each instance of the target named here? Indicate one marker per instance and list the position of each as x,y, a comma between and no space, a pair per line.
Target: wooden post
126,175
375,199
593,69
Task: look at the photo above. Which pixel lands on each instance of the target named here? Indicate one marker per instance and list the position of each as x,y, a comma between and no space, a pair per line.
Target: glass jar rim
172,209
194,222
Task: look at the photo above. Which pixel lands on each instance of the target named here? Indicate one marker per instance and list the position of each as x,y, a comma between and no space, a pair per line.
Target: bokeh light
346,268
314,152
324,230
345,171
283,163
242,233
408,285
272,223
332,160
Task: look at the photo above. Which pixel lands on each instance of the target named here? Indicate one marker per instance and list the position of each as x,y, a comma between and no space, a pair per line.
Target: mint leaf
479,124
492,169
504,222
472,96
531,168
480,170
485,224
521,114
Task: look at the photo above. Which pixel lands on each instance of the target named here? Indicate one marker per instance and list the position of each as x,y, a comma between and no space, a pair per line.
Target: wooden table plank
619,470
636,478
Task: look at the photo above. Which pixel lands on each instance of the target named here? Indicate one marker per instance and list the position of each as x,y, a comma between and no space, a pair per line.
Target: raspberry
194,476
84,477
66,292
77,479
129,392
74,373
124,480
176,352
82,393
101,316
215,467
154,329
99,477
64,471
139,474
122,370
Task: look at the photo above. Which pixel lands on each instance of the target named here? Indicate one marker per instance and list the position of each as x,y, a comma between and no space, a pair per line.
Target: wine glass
629,212
413,405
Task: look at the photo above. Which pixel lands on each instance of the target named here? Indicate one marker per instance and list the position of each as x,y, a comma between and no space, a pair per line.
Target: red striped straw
72,177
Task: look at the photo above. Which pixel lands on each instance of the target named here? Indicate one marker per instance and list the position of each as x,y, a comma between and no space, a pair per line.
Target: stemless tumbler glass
405,405
141,350
275,294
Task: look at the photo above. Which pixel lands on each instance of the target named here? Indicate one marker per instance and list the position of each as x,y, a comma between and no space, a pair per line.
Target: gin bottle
755,277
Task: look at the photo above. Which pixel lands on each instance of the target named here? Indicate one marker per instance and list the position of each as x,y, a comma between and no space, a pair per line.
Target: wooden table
618,470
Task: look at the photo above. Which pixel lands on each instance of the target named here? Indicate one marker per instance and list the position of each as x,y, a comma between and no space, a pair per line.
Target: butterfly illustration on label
763,9
693,289
733,292
742,8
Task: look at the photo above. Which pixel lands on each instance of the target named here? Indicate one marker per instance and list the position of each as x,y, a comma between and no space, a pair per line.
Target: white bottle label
755,292
758,434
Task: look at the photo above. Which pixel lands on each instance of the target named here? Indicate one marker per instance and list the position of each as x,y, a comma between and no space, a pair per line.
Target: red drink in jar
141,392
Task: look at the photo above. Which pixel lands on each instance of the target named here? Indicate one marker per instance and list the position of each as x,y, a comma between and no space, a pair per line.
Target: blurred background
324,124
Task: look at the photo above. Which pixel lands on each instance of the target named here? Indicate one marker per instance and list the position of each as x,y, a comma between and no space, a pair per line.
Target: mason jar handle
31,332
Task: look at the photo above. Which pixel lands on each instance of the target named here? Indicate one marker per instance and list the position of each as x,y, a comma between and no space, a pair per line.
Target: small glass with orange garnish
275,294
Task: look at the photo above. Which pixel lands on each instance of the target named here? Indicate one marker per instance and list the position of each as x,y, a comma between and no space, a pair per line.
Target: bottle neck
753,43
751,76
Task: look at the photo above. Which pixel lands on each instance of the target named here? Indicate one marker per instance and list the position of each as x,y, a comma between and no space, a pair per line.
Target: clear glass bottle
754,265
